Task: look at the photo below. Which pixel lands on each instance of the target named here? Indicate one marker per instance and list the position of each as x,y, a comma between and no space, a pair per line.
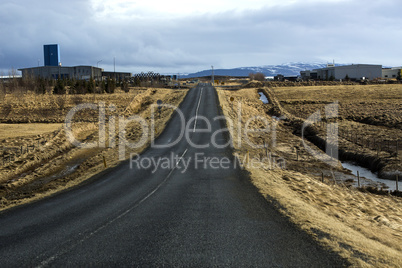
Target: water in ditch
263,98
366,173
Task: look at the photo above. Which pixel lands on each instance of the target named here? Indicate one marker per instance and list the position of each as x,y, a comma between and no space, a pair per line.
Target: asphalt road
197,209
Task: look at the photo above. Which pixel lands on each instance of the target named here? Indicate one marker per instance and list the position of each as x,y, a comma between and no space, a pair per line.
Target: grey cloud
348,31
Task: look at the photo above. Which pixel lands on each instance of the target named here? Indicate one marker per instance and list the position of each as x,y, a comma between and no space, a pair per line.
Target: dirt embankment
49,163
364,228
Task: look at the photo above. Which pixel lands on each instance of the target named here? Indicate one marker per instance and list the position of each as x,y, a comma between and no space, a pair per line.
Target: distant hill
287,69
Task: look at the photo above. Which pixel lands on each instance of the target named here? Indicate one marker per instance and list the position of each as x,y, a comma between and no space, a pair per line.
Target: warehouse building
353,72
55,72
118,76
391,73
307,75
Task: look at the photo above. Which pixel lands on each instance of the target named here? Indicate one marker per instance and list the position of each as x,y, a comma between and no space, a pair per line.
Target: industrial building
353,72
307,75
54,70
118,76
392,73
52,55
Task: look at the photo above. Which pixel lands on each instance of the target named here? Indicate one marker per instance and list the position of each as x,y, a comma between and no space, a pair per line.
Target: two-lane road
197,210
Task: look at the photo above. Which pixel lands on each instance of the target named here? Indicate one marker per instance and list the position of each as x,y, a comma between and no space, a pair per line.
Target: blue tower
52,55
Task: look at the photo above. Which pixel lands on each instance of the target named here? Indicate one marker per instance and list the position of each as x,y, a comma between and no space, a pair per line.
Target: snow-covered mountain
287,69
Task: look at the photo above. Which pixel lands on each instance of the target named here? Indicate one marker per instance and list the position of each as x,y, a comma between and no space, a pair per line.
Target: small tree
137,82
41,84
2,92
347,78
125,86
102,87
59,88
79,87
13,81
110,85
257,76
91,86
399,77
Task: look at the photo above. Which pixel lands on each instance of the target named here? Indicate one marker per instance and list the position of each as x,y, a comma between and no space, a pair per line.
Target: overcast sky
186,36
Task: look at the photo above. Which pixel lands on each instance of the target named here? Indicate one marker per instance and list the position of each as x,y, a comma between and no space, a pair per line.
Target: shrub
257,76
41,85
59,88
110,86
125,86
2,92
90,86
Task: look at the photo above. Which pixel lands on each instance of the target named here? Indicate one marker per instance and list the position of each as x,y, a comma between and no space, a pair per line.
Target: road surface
197,210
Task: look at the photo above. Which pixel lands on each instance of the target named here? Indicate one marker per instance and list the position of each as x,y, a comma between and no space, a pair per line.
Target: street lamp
97,64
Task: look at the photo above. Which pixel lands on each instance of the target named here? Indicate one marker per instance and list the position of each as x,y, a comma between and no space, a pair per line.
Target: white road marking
196,112
58,254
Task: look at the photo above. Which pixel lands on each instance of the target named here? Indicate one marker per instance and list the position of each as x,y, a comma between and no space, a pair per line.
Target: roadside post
104,161
358,179
231,102
159,102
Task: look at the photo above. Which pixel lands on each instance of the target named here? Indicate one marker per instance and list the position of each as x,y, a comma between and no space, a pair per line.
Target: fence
378,143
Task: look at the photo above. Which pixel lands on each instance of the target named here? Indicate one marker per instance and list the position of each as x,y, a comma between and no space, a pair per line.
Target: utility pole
212,80
97,71
178,79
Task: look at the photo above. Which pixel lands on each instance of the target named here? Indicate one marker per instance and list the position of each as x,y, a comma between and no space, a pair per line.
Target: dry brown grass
364,228
25,130
230,83
340,93
372,113
361,227
48,108
371,104
27,179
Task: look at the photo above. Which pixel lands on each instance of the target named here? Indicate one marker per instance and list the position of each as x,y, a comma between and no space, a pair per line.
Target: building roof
348,66
39,67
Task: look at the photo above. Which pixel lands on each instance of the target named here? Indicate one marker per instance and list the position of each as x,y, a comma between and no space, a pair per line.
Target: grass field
354,93
369,119
49,108
34,157
8,131
379,105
